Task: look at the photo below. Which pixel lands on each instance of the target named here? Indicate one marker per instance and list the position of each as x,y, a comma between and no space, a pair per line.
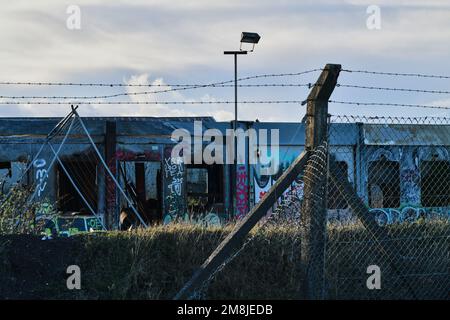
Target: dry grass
155,263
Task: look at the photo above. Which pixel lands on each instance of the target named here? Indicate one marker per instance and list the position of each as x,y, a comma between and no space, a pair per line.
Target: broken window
384,184
5,176
204,188
435,183
84,175
335,199
11,173
5,169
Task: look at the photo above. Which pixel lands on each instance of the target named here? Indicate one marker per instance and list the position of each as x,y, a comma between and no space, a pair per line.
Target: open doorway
142,183
84,174
435,183
384,184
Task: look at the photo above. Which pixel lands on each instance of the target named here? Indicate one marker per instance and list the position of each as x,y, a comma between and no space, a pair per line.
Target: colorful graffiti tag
69,226
385,216
241,191
210,219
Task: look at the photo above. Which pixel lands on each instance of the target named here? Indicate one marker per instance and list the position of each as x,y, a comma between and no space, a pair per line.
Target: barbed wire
302,102
151,102
80,84
309,85
398,74
265,85
392,89
387,104
344,118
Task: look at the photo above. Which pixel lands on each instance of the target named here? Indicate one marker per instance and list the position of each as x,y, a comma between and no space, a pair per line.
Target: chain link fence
373,218
399,168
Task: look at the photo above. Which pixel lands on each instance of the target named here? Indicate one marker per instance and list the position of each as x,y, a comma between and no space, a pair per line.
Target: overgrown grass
19,215
155,263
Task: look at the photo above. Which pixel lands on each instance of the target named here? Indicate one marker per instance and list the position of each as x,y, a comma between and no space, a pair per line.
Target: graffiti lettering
41,175
385,216
241,192
174,187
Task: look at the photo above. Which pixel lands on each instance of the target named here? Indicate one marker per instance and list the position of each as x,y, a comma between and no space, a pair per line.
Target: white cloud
182,41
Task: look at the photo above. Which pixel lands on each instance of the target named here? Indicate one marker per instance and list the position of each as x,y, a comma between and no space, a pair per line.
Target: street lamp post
235,53
246,37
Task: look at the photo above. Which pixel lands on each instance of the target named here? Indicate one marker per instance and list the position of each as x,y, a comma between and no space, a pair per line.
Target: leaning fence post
314,213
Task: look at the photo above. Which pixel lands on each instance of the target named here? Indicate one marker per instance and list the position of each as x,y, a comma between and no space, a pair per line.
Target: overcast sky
182,41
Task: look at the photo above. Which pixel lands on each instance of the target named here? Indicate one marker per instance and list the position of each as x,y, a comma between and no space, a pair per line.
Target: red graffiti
241,192
147,155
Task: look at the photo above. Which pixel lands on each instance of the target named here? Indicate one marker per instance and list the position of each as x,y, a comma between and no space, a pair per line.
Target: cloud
138,94
183,42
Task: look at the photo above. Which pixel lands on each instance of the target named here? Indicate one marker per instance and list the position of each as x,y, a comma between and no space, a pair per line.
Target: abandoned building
393,168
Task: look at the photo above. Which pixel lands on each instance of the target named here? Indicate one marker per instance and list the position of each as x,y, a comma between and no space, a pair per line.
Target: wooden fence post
236,238
314,211
111,216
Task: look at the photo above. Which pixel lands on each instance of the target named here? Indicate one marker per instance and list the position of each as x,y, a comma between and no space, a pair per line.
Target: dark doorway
384,184
84,174
435,183
334,197
142,181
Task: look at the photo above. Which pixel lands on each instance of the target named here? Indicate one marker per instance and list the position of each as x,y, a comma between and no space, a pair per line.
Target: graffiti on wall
174,172
174,186
410,184
385,216
41,175
69,226
262,186
241,191
263,183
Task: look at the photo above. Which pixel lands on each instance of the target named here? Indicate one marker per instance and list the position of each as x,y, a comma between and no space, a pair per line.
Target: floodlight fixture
250,37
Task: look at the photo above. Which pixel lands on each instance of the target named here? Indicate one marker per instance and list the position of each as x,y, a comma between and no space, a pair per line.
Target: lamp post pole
235,53
235,93
234,171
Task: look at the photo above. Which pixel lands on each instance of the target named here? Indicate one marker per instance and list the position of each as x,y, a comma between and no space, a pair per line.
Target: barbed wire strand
398,74
309,85
269,75
388,104
393,89
151,102
264,85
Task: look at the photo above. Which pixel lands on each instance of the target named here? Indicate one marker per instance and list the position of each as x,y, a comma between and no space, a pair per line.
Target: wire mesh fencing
370,213
399,171
77,176
60,187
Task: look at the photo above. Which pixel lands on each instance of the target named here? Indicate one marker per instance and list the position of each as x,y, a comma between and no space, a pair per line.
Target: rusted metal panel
42,126
292,133
400,134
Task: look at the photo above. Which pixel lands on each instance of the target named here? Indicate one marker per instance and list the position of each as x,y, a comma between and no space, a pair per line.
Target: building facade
399,171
